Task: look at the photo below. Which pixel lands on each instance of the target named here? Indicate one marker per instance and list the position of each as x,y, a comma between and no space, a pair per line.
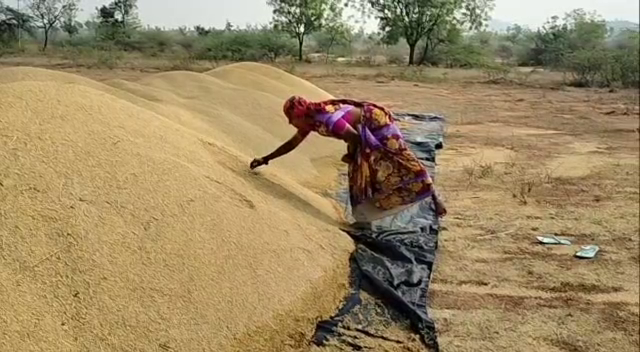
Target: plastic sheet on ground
392,265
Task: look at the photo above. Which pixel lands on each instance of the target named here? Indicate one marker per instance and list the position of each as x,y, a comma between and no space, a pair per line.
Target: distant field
101,65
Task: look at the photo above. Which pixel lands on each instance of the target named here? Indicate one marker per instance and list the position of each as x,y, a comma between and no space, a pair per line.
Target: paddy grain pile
129,219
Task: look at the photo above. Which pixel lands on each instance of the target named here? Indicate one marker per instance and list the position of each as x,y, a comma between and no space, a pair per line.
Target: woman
385,177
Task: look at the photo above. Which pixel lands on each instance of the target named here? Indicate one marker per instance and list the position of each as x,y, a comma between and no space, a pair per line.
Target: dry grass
519,162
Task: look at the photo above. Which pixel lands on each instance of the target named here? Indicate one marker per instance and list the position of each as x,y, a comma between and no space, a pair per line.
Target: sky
535,13
215,13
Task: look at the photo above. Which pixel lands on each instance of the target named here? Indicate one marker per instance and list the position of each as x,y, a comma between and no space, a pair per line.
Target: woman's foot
441,210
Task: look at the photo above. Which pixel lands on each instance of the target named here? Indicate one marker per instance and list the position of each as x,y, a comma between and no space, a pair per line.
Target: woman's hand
285,148
257,162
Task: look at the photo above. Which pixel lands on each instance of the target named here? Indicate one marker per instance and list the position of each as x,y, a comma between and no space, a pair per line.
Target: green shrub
108,58
603,68
242,45
150,42
587,67
623,68
462,55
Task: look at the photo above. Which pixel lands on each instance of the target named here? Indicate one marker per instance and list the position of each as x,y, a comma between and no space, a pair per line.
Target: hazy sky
534,13
170,13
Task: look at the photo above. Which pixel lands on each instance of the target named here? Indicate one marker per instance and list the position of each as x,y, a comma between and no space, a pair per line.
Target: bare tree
49,13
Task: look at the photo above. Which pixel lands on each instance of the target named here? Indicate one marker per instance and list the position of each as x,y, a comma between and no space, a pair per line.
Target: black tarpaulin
392,264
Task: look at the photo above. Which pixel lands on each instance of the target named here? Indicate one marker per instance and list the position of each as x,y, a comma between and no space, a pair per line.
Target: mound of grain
21,74
269,80
235,105
122,230
229,109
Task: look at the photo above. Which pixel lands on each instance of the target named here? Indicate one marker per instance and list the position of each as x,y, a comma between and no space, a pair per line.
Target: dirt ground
520,162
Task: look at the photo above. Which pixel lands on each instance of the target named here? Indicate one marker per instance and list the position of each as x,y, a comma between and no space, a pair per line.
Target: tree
559,38
109,27
577,45
49,13
505,51
184,31
117,19
202,31
91,25
514,34
624,61
299,18
125,10
516,45
442,33
69,23
12,22
275,43
446,46
551,43
587,30
428,20
334,32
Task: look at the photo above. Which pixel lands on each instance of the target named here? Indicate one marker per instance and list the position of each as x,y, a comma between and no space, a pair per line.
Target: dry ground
520,162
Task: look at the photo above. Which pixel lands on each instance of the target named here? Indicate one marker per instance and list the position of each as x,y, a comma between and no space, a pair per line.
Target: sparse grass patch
336,70
110,59
477,170
522,178
497,73
420,74
184,63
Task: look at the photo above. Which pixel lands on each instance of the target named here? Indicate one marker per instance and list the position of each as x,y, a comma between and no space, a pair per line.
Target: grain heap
129,221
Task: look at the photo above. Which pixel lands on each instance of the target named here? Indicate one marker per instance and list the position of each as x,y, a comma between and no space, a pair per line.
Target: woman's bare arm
350,136
287,146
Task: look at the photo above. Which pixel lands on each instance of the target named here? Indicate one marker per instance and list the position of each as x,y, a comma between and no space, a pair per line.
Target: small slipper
553,240
587,252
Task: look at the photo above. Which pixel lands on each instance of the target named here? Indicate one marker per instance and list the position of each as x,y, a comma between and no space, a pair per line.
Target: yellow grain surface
129,220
